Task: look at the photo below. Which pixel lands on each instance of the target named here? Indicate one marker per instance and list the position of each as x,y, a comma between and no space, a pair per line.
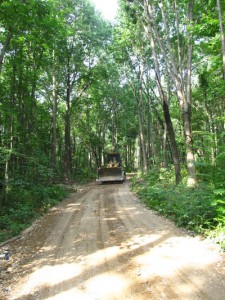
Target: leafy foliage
71,89
199,210
27,202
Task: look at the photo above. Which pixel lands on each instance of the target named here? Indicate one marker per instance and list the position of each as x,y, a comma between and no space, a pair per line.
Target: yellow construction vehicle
112,169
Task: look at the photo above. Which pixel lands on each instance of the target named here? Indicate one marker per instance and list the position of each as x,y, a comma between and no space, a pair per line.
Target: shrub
199,210
25,205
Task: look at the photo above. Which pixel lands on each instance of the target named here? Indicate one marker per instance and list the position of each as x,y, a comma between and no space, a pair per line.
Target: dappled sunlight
123,248
74,205
90,270
174,254
107,285
70,207
131,209
70,294
139,241
109,219
110,251
144,257
103,286
99,256
52,275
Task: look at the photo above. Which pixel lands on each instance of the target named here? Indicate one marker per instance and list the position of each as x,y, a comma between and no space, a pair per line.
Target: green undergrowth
84,176
24,203
200,210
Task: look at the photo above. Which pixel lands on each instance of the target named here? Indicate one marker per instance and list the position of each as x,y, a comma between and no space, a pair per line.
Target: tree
155,65
222,34
176,71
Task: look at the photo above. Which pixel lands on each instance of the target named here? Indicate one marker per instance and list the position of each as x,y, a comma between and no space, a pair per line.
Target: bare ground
101,243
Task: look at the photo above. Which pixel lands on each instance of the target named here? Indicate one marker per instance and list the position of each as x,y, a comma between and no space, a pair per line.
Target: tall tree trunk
173,143
149,134
186,108
4,48
114,126
222,34
138,95
68,150
140,122
54,113
178,38
142,140
165,163
183,88
165,105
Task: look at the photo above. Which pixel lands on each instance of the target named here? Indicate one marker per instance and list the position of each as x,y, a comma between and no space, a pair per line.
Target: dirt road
101,243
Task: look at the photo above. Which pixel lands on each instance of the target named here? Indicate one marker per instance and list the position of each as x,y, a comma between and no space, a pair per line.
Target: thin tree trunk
185,101
142,140
165,106
184,98
68,150
54,113
8,159
178,37
186,109
114,127
4,48
222,34
140,122
138,94
164,147
149,134
173,143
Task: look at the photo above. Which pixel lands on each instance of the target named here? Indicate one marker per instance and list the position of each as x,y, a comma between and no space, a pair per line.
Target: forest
150,85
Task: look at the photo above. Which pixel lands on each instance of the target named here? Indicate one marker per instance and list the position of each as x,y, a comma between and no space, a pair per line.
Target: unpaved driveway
101,243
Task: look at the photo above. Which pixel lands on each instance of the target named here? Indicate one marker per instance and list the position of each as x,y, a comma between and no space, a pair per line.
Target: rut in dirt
102,243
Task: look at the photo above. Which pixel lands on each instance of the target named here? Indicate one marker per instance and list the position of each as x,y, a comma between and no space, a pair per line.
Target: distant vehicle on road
112,169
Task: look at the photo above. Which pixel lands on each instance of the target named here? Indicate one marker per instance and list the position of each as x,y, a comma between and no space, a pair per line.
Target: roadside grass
26,203
200,210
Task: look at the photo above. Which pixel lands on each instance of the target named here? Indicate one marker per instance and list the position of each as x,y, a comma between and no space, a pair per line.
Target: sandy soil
101,243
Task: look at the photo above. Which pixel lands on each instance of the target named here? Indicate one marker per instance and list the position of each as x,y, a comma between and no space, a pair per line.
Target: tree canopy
74,86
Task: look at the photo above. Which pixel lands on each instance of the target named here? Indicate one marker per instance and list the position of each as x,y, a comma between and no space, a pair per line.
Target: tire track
102,244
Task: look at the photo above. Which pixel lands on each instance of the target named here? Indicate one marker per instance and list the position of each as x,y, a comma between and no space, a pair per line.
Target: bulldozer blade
110,174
